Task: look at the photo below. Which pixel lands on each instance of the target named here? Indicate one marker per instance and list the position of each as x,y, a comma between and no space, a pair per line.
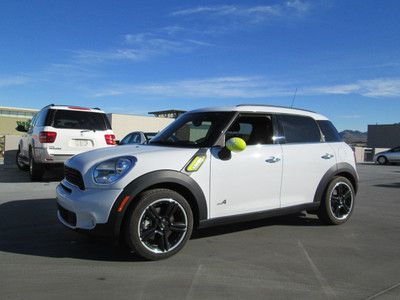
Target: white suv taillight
47,136
110,139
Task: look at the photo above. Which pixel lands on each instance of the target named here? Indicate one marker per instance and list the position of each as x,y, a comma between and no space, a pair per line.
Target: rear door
306,159
331,135
27,138
77,130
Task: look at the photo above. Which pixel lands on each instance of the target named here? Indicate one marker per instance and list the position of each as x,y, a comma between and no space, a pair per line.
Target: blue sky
343,57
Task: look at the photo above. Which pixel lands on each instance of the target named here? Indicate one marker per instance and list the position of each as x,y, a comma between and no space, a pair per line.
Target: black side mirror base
224,154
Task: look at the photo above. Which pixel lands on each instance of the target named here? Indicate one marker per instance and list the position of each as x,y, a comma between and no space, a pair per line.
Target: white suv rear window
70,119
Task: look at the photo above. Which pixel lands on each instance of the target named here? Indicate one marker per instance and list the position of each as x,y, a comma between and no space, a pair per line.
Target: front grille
73,176
67,216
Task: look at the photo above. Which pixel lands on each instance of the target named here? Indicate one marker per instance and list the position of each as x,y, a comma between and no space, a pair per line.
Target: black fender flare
150,179
332,172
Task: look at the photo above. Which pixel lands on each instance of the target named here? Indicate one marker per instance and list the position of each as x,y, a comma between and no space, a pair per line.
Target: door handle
327,156
272,159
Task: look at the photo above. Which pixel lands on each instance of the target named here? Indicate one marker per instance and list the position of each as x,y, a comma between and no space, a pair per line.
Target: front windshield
194,130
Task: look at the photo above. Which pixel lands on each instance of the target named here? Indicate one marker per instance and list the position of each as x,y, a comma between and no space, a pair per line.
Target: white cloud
11,80
142,46
90,56
380,87
253,13
216,87
249,87
107,93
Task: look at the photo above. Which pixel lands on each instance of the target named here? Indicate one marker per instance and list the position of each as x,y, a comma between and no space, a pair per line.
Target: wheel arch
341,169
169,179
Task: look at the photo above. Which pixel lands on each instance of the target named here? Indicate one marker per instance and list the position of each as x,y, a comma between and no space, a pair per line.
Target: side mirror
21,128
117,142
234,144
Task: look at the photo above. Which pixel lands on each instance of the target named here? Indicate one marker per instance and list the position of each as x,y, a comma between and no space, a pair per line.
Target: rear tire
159,224
36,170
382,160
337,204
20,164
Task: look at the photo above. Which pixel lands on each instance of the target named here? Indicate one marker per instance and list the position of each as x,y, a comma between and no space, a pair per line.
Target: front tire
36,170
382,160
337,204
159,225
19,161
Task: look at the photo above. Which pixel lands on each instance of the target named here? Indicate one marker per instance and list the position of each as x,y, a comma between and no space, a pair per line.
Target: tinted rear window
71,119
329,131
300,129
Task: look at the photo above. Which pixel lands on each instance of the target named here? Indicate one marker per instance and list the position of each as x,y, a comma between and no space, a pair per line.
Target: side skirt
257,215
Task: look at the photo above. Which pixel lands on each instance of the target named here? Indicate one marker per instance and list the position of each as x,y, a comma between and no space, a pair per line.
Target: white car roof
264,108
74,107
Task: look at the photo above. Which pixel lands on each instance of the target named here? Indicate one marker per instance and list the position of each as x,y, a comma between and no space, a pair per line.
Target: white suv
58,132
211,166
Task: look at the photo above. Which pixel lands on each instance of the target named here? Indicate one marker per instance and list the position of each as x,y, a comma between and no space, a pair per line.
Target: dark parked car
137,137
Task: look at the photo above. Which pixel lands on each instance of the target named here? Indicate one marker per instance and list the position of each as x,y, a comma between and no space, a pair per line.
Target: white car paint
260,178
250,181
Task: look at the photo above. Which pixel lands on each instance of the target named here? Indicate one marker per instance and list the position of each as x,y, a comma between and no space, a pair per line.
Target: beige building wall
8,125
359,153
124,124
377,150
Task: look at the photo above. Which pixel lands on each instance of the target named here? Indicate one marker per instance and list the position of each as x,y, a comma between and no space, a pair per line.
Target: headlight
111,170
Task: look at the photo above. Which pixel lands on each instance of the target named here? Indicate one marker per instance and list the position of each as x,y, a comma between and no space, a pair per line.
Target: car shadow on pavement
288,220
11,174
31,227
392,185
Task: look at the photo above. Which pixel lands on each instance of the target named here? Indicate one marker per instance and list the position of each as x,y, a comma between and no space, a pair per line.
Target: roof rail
279,106
68,105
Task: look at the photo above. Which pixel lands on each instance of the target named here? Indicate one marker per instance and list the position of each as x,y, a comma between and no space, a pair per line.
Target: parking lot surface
286,257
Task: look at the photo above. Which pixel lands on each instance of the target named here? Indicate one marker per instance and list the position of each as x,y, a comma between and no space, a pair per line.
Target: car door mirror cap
235,144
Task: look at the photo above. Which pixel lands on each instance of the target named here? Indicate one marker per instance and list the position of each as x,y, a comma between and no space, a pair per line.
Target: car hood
149,158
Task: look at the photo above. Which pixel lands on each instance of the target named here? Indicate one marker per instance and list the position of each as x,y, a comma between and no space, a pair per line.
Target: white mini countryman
210,166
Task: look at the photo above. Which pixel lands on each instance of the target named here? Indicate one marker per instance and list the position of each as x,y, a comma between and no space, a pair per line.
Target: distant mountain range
354,136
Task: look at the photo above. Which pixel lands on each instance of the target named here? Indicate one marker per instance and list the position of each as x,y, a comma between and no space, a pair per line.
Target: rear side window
300,129
70,119
329,131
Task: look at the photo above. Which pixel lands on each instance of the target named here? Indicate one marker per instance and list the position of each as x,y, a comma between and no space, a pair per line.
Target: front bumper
87,210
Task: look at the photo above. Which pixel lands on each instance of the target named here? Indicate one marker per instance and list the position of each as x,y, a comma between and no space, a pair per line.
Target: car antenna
294,97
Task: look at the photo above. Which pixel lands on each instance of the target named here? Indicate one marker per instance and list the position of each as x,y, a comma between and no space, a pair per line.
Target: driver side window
32,124
253,129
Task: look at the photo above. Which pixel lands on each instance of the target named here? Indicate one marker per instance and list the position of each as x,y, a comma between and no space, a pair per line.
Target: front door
248,181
